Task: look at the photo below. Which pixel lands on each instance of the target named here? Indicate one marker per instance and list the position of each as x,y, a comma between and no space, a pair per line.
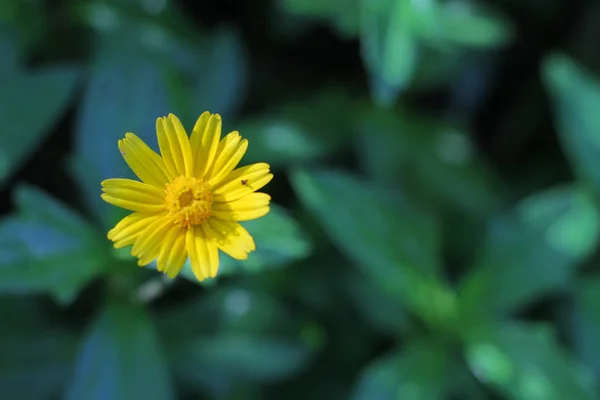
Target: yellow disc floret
188,201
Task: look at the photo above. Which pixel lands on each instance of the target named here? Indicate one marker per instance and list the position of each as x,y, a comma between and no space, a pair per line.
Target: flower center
188,200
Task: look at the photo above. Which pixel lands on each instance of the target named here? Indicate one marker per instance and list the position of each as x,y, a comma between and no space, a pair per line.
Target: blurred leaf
220,77
532,250
584,322
417,372
575,93
461,23
126,93
279,242
343,14
225,309
525,362
30,104
294,134
47,248
393,241
377,307
121,358
429,157
10,60
238,356
35,364
388,46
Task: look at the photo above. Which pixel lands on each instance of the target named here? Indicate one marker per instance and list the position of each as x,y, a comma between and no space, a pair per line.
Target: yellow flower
190,200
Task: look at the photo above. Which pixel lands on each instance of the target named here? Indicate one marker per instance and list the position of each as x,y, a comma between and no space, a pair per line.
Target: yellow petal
204,255
174,146
242,182
147,246
205,141
130,228
130,190
229,153
128,201
166,246
143,161
252,206
177,256
231,237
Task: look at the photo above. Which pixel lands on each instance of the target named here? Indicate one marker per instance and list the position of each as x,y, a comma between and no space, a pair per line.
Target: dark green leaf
393,241
121,358
239,357
575,93
417,372
293,134
30,105
429,157
388,46
533,250
584,322
126,93
48,248
525,362
35,364
462,24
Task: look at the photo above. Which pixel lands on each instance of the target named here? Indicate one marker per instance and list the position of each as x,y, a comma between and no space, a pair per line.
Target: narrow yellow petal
129,228
166,246
229,153
177,256
242,182
130,204
205,141
133,191
231,237
147,246
174,145
143,161
204,255
185,147
252,206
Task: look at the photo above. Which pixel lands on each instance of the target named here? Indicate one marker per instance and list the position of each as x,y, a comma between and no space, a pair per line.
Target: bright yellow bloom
190,200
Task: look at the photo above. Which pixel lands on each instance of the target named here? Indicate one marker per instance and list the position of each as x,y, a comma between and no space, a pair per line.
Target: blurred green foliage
435,221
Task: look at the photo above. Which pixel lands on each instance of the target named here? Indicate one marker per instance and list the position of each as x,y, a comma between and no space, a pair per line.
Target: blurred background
435,222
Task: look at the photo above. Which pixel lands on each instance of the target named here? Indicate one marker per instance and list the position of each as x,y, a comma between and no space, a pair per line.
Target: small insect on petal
244,181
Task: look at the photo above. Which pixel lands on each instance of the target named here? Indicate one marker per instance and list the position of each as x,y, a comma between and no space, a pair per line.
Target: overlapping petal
143,161
242,182
205,141
252,206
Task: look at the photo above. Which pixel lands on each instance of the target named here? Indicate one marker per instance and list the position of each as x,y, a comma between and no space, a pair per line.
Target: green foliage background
435,226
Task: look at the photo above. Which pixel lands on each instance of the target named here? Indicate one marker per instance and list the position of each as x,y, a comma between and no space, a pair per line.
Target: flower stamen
188,201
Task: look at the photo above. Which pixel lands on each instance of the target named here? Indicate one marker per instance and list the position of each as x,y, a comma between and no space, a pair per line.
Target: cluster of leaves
397,262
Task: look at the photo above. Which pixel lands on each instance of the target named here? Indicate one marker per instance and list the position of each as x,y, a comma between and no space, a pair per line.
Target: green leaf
220,85
388,46
293,134
238,356
343,14
393,241
121,358
584,322
417,372
279,242
525,362
126,92
47,248
575,95
462,24
36,359
31,104
434,159
532,250
9,53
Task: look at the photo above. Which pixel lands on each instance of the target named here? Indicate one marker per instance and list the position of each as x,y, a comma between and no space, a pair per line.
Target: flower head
190,200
